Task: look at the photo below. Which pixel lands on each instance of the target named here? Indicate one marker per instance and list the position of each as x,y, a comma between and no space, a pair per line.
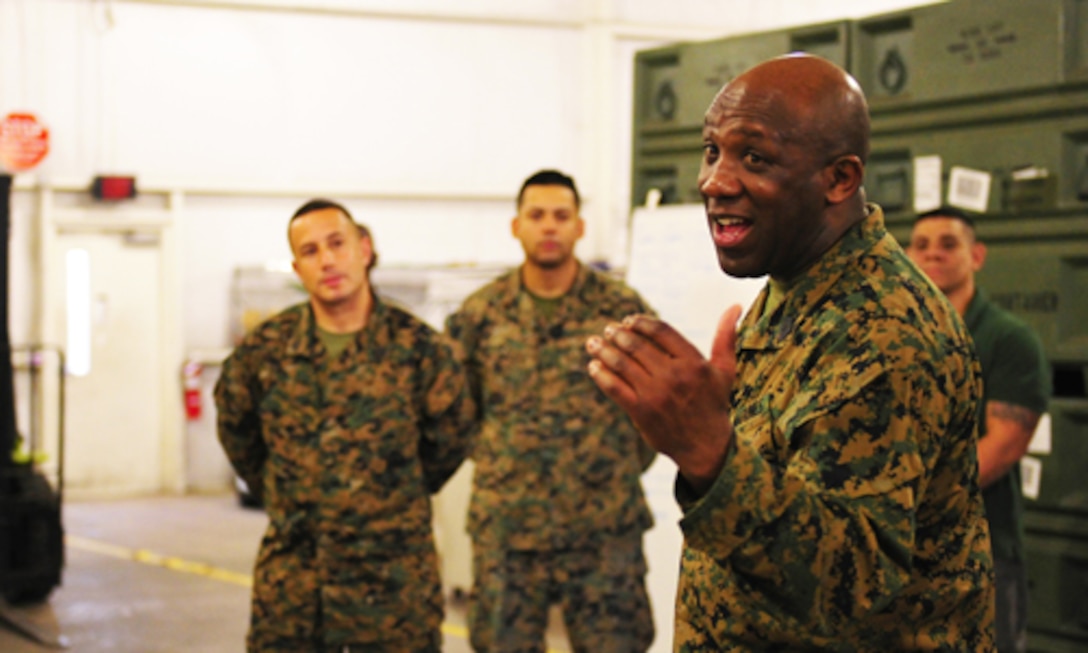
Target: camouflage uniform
848,515
556,492
346,452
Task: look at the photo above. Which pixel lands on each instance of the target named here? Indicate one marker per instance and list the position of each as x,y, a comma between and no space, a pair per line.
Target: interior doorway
109,317
109,299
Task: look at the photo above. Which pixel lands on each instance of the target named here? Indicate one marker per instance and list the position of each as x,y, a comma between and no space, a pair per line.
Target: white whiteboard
674,267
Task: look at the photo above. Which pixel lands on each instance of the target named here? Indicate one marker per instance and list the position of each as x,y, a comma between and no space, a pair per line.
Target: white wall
423,115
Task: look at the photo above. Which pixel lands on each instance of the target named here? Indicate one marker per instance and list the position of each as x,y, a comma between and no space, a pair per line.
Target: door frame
75,211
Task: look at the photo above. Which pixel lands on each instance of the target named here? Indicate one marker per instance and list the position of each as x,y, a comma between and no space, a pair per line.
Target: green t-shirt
546,306
776,292
335,342
1014,371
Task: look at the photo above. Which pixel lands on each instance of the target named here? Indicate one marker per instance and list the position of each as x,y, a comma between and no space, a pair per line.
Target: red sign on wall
24,141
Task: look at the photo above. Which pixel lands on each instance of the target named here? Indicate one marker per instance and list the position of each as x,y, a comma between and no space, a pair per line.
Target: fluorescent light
78,302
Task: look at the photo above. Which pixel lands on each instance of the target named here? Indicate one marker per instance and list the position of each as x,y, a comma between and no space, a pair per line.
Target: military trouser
602,594
287,609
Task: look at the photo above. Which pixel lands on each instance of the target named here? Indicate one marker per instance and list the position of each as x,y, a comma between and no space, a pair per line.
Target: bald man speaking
826,450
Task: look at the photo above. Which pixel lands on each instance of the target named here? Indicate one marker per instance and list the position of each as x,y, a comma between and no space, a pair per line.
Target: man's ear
367,245
514,226
844,178
978,255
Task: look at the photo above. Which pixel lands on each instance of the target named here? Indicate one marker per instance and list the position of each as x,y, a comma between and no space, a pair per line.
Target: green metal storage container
1057,593
969,49
674,86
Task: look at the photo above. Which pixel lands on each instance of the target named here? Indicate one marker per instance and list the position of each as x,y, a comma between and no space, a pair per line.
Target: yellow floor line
151,558
198,568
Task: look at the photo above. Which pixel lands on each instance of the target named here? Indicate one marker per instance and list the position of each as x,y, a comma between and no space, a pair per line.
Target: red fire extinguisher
191,382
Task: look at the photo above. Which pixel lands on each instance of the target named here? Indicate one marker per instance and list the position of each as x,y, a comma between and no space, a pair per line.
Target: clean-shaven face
946,250
548,225
330,256
760,184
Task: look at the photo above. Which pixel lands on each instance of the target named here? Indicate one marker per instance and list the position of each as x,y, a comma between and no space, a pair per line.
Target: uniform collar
303,340
760,331
975,308
512,285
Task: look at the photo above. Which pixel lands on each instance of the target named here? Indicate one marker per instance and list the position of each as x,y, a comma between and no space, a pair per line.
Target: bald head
822,104
784,150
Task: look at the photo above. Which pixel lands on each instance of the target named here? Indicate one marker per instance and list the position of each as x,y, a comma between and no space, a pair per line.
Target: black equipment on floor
31,535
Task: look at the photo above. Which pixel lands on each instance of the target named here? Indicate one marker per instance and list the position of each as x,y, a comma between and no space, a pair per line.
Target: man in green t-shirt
1016,385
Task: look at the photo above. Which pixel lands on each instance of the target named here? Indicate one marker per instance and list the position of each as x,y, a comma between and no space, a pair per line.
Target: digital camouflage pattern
346,452
557,462
556,489
601,592
848,515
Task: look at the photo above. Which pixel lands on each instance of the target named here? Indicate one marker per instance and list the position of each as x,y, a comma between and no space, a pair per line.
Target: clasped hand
679,400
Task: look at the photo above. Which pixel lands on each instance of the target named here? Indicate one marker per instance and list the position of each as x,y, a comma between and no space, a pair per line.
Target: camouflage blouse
557,462
848,515
347,452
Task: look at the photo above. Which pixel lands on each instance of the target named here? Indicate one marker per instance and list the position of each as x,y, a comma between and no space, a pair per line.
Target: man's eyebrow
747,132
753,132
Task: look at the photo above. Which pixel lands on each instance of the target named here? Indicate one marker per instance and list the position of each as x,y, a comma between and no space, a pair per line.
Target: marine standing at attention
344,414
557,512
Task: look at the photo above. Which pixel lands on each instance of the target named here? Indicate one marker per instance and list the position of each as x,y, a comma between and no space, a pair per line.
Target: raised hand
679,400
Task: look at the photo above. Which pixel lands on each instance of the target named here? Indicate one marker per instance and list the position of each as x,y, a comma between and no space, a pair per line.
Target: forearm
995,459
701,467
1008,432
244,448
793,538
448,430
820,509
442,450
238,424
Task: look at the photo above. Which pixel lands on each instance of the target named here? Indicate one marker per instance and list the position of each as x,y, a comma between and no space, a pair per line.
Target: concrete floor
161,575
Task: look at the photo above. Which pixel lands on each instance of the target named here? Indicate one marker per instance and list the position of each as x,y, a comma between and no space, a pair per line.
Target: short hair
948,212
320,204
549,178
